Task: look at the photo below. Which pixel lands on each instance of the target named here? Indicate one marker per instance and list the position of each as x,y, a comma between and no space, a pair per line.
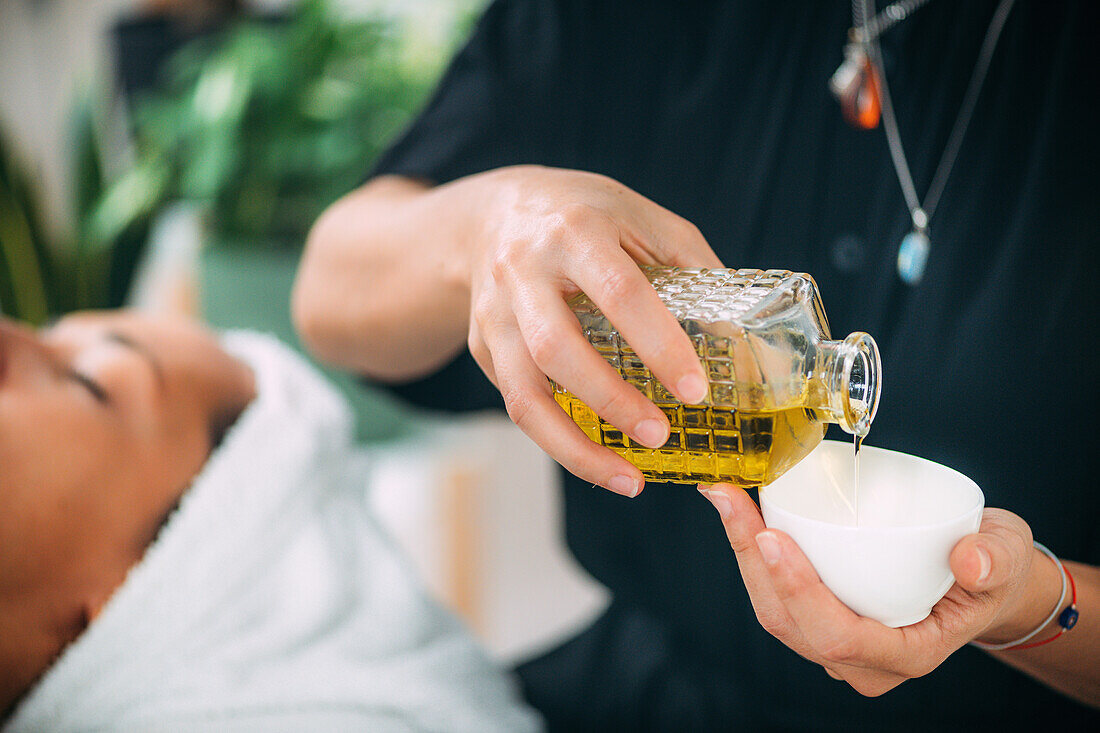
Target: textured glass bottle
776,377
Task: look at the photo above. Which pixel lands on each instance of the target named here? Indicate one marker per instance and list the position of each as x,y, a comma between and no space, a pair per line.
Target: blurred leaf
23,251
131,198
86,163
272,121
268,122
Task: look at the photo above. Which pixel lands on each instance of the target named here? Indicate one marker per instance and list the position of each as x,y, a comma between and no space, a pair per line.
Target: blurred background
171,155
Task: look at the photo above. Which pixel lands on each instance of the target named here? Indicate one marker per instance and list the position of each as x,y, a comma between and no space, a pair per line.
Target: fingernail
769,547
651,433
721,502
692,389
625,485
984,564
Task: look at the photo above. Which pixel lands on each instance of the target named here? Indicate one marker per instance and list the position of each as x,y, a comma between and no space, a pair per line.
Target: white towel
271,602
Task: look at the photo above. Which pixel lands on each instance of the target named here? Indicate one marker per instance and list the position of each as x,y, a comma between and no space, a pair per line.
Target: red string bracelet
1067,619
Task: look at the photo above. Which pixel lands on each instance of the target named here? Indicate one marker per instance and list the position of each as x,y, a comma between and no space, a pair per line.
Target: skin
104,420
1005,588
399,275
488,262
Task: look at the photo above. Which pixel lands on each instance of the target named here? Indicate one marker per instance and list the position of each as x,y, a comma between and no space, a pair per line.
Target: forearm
383,287
1069,664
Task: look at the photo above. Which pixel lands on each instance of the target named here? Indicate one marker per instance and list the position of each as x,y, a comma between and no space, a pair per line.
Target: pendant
855,85
913,256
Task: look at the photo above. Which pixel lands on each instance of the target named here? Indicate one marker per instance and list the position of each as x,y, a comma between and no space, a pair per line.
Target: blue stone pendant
912,257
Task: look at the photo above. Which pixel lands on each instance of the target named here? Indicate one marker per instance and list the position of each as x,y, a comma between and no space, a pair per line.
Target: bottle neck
848,380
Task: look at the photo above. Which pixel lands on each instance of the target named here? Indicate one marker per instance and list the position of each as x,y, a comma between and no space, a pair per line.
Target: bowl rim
976,506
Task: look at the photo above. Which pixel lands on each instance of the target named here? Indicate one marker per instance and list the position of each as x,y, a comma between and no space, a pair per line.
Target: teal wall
250,288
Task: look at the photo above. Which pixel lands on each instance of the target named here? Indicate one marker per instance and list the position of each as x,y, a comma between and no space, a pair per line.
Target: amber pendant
855,85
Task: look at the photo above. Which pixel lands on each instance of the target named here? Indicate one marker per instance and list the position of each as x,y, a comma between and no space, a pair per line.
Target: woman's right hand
540,236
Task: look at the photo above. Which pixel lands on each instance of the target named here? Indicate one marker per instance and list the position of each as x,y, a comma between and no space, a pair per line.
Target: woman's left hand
990,599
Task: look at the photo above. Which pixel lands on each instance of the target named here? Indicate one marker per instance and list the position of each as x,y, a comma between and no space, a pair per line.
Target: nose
15,333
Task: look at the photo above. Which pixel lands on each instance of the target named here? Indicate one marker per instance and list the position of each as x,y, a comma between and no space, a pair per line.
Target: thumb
998,554
739,513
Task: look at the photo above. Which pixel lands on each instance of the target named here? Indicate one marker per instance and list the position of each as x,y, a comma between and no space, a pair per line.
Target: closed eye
93,387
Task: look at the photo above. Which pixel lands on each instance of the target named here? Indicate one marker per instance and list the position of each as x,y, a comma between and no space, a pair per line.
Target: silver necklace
855,82
865,30
916,245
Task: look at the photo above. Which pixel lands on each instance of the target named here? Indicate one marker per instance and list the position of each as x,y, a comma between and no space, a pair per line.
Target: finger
742,521
480,352
528,399
836,633
742,528
740,516
559,349
681,244
998,554
487,315
668,238
615,283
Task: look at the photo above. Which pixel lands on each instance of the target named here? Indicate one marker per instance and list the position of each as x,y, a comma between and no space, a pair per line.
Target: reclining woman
184,544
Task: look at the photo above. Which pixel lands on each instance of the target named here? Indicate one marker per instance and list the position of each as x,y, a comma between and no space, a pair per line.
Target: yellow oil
711,444
857,441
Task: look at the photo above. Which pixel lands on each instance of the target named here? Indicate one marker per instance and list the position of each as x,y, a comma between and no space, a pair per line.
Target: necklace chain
922,214
865,30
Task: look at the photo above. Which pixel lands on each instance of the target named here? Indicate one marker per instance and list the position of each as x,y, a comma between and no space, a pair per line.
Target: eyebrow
142,350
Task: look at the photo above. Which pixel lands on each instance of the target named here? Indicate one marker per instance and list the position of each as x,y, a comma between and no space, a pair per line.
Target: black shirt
720,112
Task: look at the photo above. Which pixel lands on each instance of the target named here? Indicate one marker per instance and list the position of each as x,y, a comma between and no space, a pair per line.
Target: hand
997,596
543,236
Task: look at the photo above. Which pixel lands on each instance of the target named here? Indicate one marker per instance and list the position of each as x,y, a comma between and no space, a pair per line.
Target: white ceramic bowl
892,567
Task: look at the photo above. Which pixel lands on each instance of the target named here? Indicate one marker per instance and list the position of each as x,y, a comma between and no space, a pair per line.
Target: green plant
24,258
268,122
43,274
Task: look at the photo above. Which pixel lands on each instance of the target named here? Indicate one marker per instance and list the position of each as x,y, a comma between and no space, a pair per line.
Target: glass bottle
776,378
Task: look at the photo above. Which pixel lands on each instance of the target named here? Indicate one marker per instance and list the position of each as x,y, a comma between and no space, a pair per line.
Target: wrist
1032,603
453,204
